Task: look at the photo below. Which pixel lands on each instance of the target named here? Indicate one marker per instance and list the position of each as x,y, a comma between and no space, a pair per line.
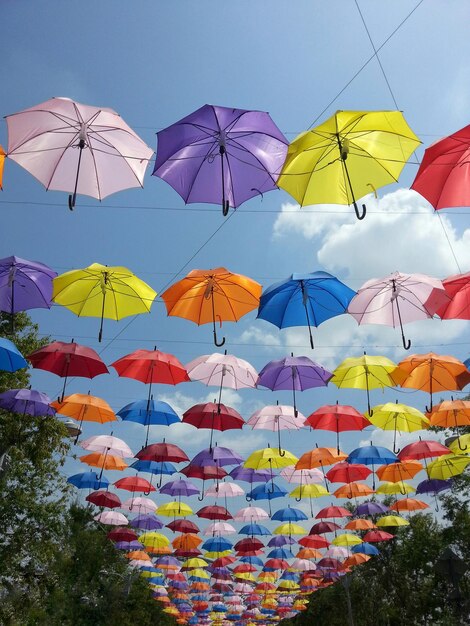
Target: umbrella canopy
432,372
107,443
398,299
450,414
345,472
214,417
276,418
68,359
161,452
372,455
443,173
210,296
174,509
151,366
353,490
85,408
347,156
104,461
251,514
88,480
111,517
395,472
222,370
155,412
370,508
422,449
389,488
304,300
457,289
214,513
134,484
217,456
365,372
104,292
11,359
77,148
337,418
26,402
409,504
270,458
398,417
104,499
447,466
303,476
179,487
293,373
247,144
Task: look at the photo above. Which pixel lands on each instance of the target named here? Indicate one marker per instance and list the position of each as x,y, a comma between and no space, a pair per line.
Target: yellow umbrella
366,372
289,529
448,465
461,445
270,458
195,563
174,509
308,491
154,539
401,417
245,576
390,489
346,539
392,520
102,291
217,555
351,154
199,573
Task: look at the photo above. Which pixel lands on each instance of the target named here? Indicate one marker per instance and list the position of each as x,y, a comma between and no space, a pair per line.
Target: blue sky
155,62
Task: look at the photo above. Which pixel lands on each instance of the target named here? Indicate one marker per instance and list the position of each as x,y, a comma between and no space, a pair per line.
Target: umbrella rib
196,175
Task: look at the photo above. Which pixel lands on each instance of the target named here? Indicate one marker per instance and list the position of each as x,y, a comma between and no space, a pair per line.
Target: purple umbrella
24,285
146,522
248,145
296,373
216,456
280,540
181,487
370,508
433,486
129,545
26,402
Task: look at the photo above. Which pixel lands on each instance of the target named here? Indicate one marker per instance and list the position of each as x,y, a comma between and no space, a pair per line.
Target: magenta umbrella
398,299
221,154
77,148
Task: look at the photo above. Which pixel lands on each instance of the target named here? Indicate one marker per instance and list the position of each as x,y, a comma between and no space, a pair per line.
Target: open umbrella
11,359
77,148
372,455
149,412
337,418
68,359
26,402
210,296
304,299
247,144
104,292
398,417
84,407
398,299
351,154
293,373
161,453
276,418
213,416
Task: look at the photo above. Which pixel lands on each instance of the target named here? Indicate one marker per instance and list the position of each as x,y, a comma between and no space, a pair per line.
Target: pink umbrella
250,514
225,490
398,299
277,417
140,504
111,517
222,528
77,148
303,476
108,444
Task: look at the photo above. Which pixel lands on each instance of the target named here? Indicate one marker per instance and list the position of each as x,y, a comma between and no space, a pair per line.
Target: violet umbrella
398,299
371,508
433,486
179,487
293,373
249,475
24,285
221,154
26,402
77,148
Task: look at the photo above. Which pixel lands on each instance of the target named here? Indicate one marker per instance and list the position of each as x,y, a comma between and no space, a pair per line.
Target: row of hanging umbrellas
226,155
218,295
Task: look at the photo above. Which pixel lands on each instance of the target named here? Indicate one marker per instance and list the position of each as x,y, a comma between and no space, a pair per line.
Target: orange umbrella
104,461
186,542
159,550
138,555
432,372
214,295
320,457
356,559
397,472
409,504
353,490
360,524
82,407
450,414
2,162
308,553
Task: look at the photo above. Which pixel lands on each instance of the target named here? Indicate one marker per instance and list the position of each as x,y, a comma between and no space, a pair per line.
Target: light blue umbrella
11,359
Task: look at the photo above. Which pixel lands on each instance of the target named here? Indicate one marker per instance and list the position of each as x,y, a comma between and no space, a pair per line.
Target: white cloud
257,334
244,442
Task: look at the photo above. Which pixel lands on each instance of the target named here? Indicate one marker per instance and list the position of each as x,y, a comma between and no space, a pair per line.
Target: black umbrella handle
73,197
406,344
344,155
225,203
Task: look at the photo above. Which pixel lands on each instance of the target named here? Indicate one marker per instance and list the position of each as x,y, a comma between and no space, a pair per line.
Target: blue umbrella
154,467
280,553
11,358
304,299
365,548
149,413
289,515
372,455
88,480
251,560
217,544
254,529
267,491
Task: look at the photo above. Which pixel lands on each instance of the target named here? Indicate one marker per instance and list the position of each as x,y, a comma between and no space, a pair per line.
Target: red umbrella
183,526
104,498
214,512
245,567
248,545
444,172
204,472
161,452
314,541
422,450
276,564
134,484
214,416
187,554
337,418
348,472
329,563
323,527
374,536
68,359
458,289
223,561
333,511
122,534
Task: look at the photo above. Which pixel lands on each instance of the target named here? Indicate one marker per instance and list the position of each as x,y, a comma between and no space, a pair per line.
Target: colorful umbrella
250,146
398,417
68,359
372,455
88,480
337,418
26,402
11,359
70,146
293,373
104,499
398,299
443,173
213,416
207,296
179,487
222,370
304,299
346,157
107,443
149,412
104,461
276,418
86,408
344,472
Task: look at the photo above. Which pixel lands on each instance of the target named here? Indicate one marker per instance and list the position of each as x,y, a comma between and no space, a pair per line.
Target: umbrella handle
298,499
360,216
248,498
225,203
73,197
344,153
464,449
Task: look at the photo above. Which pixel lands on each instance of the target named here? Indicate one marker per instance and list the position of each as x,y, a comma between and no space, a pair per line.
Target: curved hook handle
159,484
360,216
270,491
403,493
464,449
218,343
282,452
146,493
298,499
370,412
200,498
248,498
406,344
427,409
